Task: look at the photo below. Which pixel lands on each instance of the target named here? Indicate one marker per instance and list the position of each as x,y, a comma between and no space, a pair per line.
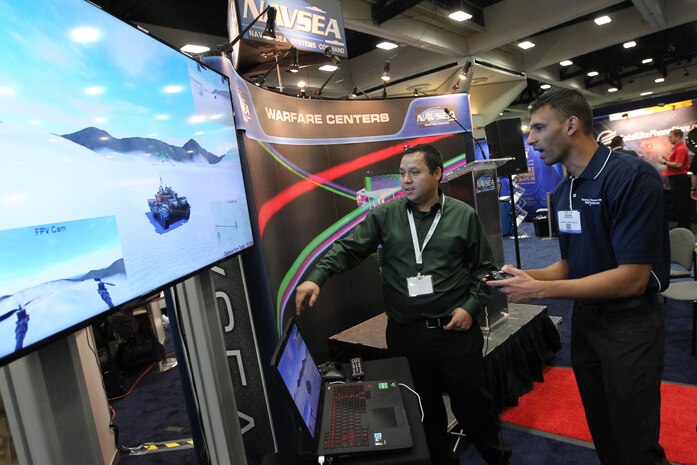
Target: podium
476,183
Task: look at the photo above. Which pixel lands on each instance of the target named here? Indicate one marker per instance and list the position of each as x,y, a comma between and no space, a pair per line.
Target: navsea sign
311,25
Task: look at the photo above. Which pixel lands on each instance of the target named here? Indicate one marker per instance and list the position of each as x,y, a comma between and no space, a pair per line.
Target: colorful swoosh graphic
324,180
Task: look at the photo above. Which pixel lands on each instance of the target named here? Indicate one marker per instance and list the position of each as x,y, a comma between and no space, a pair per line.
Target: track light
386,72
270,30
465,71
328,53
294,67
354,93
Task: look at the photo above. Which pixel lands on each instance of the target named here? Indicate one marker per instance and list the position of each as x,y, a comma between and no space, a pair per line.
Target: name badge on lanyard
421,284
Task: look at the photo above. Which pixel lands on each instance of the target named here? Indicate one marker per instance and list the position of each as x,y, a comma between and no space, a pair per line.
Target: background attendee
617,143
615,258
434,255
693,170
677,165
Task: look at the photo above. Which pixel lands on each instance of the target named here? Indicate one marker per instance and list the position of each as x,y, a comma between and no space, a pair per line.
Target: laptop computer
340,418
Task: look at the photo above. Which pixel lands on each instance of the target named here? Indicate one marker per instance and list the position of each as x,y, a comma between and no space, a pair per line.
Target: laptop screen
300,375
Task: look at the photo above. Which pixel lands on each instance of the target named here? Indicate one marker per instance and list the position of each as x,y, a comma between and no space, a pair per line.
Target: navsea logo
485,183
246,114
431,116
307,25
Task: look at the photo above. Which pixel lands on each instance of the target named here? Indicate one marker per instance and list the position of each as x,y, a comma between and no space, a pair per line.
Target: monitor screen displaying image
119,168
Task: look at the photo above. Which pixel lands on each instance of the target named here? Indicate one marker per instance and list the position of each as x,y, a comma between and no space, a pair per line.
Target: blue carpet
532,449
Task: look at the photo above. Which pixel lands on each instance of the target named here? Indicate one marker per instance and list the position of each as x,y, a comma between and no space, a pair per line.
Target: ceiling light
294,67
194,49
301,84
629,44
592,73
646,61
545,86
270,30
459,15
643,94
328,67
612,89
602,20
387,45
566,63
526,44
386,72
659,80
354,93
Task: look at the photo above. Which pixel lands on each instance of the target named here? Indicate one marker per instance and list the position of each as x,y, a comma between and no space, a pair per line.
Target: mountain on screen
99,140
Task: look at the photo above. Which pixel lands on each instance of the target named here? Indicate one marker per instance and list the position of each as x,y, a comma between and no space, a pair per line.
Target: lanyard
418,251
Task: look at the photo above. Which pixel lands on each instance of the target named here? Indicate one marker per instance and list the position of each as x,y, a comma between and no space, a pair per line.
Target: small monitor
301,378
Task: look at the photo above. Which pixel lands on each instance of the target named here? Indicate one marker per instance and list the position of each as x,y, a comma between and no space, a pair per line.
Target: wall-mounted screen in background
119,168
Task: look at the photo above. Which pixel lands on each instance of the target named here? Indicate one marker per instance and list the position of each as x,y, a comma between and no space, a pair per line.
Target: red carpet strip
554,406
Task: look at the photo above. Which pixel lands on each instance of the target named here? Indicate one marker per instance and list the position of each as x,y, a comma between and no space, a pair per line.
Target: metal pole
514,218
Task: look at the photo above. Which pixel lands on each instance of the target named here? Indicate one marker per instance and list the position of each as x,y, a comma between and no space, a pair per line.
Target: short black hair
566,103
677,132
432,156
617,141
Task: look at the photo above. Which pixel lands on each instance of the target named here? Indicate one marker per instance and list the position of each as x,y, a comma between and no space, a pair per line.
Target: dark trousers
680,195
450,361
617,358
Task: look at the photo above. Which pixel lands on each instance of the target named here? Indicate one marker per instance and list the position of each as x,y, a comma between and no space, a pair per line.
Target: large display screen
119,168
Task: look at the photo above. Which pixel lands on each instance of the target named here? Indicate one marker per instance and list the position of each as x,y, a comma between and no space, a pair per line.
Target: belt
429,323
621,305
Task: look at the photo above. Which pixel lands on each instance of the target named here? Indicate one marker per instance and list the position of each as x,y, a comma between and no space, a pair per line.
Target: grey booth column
200,323
56,405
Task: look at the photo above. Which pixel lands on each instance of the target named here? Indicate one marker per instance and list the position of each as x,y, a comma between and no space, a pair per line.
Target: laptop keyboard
349,424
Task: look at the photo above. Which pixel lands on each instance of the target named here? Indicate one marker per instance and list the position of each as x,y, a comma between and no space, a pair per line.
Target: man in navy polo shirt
615,258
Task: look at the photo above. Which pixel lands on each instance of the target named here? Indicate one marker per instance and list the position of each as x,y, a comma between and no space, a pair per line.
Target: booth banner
647,133
243,355
311,25
270,117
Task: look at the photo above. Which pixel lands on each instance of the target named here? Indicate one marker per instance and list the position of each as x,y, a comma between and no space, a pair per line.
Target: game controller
331,371
497,276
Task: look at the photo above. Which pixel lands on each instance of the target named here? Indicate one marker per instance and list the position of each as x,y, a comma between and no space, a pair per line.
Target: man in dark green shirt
434,256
